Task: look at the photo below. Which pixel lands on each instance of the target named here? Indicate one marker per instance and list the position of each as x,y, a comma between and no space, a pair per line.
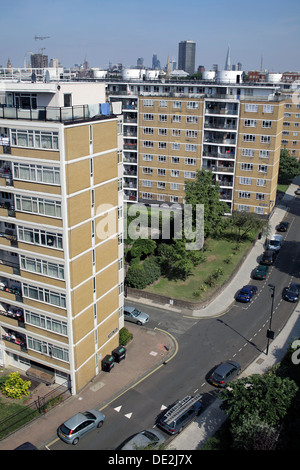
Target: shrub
124,336
152,269
15,387
136,276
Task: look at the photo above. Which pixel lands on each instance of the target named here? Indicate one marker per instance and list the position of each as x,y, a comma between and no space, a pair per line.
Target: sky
259,32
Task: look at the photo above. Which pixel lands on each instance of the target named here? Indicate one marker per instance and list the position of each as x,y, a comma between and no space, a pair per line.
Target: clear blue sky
123,30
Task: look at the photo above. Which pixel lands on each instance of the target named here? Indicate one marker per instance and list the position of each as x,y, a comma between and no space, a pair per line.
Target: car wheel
76,440
138,323
100,424
180,429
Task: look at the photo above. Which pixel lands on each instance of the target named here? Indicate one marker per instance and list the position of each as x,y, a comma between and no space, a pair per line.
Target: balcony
130,145
130,170
10,290
221,108
11,315
222,138
81,113
220,123
14,340
132,184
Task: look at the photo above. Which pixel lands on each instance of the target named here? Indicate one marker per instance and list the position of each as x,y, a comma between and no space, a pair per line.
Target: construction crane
41,38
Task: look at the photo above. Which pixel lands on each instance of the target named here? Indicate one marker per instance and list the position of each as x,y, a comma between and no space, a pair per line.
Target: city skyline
119,32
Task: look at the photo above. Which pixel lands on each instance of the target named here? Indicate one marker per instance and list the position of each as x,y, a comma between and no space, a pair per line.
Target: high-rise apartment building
61,274
186,56
225,126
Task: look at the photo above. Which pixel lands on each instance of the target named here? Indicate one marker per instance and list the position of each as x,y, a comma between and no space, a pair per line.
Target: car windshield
89,415
274,242
135,313
293,289
217,376
150,436
65,430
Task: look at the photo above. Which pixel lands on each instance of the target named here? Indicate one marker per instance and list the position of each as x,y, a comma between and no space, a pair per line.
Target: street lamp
270,333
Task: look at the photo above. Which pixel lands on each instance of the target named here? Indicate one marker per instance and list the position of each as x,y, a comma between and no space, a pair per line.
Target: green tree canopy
204,191
289,167
268,397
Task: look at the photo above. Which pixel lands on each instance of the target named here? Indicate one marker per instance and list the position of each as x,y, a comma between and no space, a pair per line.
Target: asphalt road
240,334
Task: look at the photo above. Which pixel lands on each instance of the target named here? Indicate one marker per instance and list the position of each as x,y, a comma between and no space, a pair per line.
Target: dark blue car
246,293
291,293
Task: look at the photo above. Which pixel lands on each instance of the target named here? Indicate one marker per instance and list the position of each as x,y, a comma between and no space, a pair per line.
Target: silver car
134,315
79,425
148,437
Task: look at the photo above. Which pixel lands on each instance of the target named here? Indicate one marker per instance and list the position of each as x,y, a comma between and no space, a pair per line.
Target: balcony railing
56,114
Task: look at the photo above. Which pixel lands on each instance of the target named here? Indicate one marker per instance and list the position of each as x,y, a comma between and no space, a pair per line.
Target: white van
275,242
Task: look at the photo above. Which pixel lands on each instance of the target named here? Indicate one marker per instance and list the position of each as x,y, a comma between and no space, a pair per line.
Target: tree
142,247
136,276
267,396
254,434
289,167
175,260
204,191
244,222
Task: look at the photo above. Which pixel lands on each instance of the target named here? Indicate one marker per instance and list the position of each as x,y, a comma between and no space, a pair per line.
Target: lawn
216,253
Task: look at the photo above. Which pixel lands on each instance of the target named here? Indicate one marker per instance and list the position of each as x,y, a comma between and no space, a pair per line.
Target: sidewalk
147,352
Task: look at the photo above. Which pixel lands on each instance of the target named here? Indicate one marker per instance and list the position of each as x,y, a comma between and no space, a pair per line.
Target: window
175,160
163,103
250,122
161,185
48,349
148,102
251,108
265,139
259,210
264,153
247,181
247,166
148,143
148,130
147,170
189,174
36,173
190,161
38,206
148,117
268,108
163,117
261,182
260,196
190,147
267,124
176,118
175,173
176,132
192,105
40,237
244,195
47,323
161,172
175,146
34,139
162,145
46,268
147,196
191,134
243,208
177,104
249,138
162,158
147,157
174,198
162,131
263,168
192,119
147,183
248,152
44,295
174,186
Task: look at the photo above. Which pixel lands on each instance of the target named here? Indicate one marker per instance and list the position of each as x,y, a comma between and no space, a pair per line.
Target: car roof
140,440
129,308
226,366
77,419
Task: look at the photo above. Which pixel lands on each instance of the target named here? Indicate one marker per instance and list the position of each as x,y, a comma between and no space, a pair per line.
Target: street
203,343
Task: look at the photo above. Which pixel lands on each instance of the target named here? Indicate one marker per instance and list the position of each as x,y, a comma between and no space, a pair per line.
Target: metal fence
35,409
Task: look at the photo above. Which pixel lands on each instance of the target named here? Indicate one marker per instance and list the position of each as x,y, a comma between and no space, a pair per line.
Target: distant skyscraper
227,61
39,61
186,56
155,62
140,63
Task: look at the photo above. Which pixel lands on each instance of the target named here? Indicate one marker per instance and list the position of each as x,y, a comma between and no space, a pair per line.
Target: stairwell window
39,206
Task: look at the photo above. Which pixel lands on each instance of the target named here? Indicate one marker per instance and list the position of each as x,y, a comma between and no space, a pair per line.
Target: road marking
163,407
117,409
128,415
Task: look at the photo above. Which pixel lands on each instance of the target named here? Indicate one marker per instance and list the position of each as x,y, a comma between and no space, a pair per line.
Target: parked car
275,242
79,425
261,272
180,414
150,438
246,293
134,315
26,446
292,292
283,226
224,373
297,192
268,257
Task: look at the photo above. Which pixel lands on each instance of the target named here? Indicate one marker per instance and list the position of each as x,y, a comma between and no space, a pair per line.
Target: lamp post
270,333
